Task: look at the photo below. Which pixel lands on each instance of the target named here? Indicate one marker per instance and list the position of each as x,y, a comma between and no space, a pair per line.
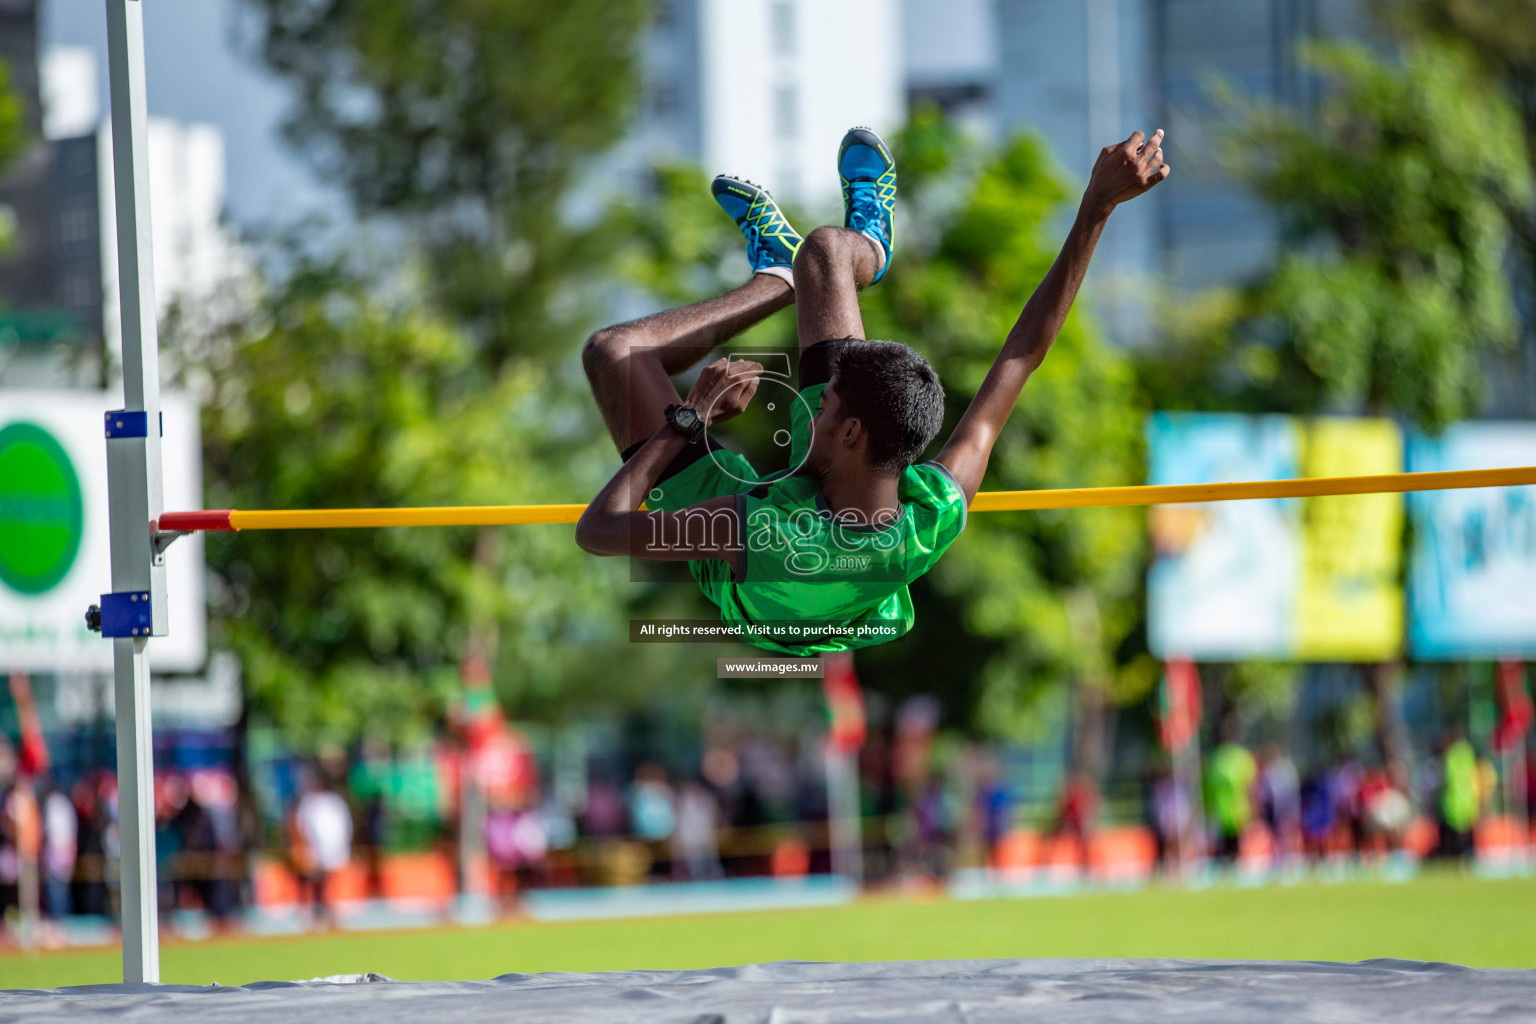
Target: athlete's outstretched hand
1125,170
725,388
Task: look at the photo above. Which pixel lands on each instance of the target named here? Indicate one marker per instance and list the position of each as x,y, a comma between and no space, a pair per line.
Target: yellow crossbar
469,515
989,501
1308,487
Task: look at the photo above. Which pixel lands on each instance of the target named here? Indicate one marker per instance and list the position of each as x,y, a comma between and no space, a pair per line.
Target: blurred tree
14,137
330,397
464,128
1394,287
469,121
1501,37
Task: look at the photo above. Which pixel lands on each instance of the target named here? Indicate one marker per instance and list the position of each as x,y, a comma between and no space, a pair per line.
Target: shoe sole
732,181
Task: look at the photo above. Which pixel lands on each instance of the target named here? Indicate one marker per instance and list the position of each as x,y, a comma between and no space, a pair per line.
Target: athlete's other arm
613,523
1121,173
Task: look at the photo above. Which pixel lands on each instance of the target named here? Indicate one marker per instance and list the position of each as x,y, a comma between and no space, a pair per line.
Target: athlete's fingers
716,380
1154,143
713,372
725,373
734,397
1134,143
742,381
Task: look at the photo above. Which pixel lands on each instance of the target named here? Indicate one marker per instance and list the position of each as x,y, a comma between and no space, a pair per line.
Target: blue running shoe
771,242
868,171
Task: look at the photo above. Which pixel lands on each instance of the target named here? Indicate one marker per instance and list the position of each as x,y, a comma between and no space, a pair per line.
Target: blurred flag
1179,704
507,769
33,759
477,712
1516,712
500,758
845,702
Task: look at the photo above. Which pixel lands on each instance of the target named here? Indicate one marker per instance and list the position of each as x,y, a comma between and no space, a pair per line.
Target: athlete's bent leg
833,265
630,366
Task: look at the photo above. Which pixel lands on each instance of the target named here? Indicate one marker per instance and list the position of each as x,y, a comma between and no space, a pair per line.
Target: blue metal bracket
130,424
127,614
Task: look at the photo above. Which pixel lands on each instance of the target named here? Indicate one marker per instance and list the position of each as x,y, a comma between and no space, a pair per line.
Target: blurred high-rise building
47,317
1079,75
765,88
196,252
58,315
1083,73
949,48
1086,72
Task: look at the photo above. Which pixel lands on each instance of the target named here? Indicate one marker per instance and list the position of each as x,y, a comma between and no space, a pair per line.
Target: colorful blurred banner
1351,604
1224,578
1472,587
1276,578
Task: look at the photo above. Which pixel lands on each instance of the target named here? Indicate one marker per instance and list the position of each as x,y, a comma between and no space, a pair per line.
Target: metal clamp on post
126,615
124,424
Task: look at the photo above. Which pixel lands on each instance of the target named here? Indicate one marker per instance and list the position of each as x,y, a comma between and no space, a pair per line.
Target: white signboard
54,547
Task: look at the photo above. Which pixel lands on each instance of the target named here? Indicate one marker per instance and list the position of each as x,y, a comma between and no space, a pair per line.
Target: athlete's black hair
895,394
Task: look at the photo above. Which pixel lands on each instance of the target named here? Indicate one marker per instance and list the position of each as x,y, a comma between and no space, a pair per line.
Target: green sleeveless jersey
812,583
809,583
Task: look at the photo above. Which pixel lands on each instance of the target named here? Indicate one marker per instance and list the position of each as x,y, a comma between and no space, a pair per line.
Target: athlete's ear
849,432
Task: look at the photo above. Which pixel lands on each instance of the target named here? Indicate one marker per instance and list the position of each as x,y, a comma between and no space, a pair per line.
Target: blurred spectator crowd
752,807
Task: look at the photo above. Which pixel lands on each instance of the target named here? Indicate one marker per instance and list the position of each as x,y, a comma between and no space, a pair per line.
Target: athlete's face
824,427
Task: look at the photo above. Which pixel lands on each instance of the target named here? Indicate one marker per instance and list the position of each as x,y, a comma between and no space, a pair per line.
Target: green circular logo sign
41,509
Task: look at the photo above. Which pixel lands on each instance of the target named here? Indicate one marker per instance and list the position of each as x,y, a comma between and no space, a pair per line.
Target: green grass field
1482,923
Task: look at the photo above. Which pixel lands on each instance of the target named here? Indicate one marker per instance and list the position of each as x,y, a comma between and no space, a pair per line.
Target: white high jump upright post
136,608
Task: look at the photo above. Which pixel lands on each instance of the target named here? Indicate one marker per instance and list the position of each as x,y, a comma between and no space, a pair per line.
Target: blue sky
200,70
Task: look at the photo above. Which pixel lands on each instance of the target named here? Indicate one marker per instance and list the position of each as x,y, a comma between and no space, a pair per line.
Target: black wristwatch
687,419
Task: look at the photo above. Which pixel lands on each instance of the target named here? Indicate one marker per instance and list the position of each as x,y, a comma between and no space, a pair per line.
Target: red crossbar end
189,522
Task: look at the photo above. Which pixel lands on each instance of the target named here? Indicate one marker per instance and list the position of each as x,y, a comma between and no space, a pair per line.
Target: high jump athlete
817,557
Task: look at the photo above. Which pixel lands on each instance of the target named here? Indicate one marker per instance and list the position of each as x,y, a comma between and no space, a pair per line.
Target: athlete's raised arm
1121,173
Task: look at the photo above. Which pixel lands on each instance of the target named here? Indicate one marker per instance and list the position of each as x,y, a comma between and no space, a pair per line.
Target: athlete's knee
604,350
821,248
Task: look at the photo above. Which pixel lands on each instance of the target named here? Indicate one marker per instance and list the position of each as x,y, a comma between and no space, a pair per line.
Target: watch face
687,417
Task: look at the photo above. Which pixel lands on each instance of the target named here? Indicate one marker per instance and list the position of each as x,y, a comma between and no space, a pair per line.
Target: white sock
785,274
880,255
